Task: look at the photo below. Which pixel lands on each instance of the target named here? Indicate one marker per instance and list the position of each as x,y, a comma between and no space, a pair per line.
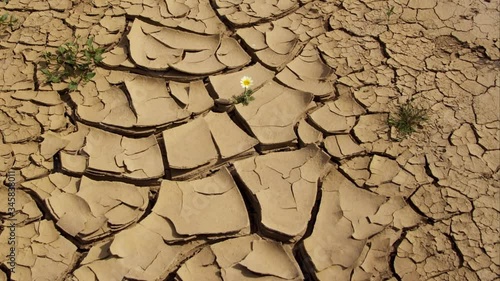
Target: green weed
408,118
389,12
71,63
7,21
244,98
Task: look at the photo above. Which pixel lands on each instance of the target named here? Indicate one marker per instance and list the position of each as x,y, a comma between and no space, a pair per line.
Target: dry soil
148,172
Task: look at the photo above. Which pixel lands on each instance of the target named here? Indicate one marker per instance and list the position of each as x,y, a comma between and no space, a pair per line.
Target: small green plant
390,12
408,118
246,97
7,21
72,63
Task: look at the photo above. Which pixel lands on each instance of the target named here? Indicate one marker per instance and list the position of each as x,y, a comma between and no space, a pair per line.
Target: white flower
246,82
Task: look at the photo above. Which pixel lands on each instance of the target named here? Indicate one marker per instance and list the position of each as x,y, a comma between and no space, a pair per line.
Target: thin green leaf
89,42
45,71
55,79
87,55
72,86
98,58
89,76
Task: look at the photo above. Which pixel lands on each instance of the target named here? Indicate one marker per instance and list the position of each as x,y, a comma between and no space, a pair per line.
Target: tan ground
149,173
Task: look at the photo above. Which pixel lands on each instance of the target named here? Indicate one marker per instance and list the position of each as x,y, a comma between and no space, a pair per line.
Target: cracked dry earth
148,172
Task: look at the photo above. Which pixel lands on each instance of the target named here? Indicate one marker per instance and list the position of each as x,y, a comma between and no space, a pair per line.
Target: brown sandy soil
148,172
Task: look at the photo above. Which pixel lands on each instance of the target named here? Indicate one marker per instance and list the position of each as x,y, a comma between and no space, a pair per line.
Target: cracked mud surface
148,172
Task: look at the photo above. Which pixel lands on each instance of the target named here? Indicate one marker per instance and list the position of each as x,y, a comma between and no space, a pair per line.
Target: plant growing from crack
389,12
7,21
72,63
246,97
408,118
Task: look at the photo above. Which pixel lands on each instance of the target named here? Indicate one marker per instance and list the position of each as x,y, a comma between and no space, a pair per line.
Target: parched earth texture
148,172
